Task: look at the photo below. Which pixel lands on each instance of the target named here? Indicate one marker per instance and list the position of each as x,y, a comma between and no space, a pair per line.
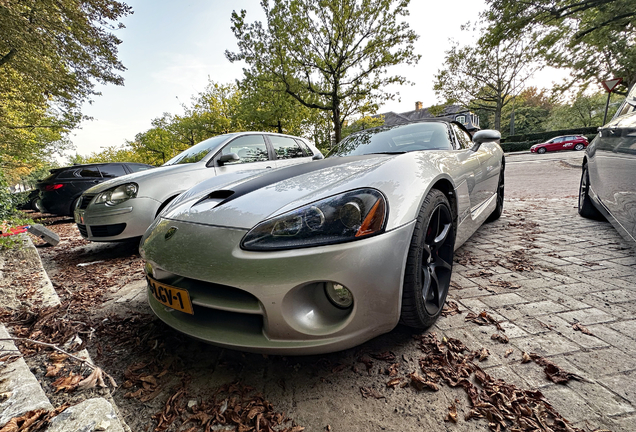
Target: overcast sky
171,48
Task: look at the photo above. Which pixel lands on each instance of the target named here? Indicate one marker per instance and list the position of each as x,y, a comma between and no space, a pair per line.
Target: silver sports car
323,256
608,179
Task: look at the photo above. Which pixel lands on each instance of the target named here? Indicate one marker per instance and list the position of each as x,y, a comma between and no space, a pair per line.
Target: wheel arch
445,186
166,202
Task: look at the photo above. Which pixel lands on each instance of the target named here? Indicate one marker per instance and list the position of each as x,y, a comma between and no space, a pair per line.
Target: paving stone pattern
541,269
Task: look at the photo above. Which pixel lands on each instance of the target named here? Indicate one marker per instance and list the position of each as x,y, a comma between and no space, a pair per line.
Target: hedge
544,136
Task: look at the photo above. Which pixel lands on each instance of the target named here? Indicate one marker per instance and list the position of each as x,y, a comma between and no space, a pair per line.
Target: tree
531,109
330,55
485,78
584,111
265,105
51,54
595,38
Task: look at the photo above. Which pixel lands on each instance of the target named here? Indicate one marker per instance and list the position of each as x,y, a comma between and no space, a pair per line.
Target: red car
567,142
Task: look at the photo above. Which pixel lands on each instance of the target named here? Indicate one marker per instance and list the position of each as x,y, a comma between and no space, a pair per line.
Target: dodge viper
323,256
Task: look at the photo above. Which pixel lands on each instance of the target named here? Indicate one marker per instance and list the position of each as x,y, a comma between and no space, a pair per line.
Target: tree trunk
280,127
498,115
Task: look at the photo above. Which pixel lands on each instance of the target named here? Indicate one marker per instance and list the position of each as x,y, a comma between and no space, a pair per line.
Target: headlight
341,218
117,194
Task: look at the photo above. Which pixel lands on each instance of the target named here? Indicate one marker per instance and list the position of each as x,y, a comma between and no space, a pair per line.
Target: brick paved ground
540,269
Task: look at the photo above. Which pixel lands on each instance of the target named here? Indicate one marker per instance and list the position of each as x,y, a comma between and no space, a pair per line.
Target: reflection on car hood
242,203
150,175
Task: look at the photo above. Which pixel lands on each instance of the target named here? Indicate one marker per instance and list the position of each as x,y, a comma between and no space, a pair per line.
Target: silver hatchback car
124,207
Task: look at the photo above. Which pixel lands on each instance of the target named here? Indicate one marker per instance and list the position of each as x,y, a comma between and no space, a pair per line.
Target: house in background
454,112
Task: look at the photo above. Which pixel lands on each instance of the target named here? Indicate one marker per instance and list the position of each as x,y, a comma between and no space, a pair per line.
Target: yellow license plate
173,297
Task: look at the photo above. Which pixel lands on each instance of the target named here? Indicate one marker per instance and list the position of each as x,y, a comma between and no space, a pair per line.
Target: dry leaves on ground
552,371
501,338
483,318
233,405
504,406
451,308
582,329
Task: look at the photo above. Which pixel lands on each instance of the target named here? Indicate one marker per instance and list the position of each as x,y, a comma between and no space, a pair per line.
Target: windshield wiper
389,152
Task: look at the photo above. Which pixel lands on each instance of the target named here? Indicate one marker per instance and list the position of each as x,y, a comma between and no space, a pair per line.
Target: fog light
337,294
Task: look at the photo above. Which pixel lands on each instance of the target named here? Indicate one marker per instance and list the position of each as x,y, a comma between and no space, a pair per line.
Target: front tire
429,263
497,212
541,150
586,207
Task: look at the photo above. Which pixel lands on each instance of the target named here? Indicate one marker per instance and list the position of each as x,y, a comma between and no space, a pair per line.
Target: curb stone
20,391
18,384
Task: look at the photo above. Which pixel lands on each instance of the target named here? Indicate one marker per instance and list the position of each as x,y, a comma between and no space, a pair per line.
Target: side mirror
486,135
228,158
318,156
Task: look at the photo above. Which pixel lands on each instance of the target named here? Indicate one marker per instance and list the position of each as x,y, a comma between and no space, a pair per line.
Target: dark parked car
566,142
60,190
29,200
608,180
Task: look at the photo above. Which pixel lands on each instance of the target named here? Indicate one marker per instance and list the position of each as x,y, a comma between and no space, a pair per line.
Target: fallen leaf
501,338
582,329
483,354
525,358
369,392
96,378
452,413
394,382
67,383
508,352
451,308
387,356
421,383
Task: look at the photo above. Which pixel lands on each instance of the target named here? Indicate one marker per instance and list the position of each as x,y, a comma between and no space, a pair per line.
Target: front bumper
99,222
272,302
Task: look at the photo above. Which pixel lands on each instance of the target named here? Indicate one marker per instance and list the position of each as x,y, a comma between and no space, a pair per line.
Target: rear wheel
586,207
541,150
429,263
579,147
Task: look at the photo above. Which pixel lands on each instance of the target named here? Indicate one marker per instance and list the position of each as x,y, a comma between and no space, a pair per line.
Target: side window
249,148
285,148
557,140
67,174
111,171
88,172
305,148
461,119
464,139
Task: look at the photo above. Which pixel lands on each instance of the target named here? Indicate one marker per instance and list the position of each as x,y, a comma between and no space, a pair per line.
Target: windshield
198,151
395,139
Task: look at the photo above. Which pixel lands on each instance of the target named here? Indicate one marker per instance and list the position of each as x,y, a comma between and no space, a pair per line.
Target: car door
252,152
554,144
473,173
612,171
287,151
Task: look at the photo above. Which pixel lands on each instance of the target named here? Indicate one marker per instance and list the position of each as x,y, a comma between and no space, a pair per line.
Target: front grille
107,230
82,230
86,199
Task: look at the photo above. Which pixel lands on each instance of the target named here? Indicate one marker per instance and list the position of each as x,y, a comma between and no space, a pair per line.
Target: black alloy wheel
586,207
429,263
541,150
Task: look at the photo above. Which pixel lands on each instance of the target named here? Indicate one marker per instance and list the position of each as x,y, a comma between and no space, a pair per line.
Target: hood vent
217,197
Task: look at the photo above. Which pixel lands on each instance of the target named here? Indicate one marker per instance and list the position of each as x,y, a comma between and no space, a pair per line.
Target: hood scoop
216,197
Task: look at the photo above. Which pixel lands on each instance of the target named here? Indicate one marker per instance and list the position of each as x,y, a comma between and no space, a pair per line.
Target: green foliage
485,78
329,55
365,122
584,111
593,38
531,110
52,52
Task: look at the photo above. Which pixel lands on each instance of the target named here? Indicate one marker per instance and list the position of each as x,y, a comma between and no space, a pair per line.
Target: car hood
162,172
243,203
